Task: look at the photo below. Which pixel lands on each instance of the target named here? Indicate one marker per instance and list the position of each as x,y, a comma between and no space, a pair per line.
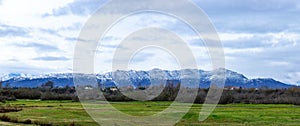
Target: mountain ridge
142,78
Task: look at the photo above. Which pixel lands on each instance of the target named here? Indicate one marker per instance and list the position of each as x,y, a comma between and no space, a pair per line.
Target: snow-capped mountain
145,78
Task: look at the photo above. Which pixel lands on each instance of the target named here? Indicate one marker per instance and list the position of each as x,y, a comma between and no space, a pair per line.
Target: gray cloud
21,67
252,15
267,56
273,40
51,58
38,46
141,57
6,30
137,58
273,62
75,26
248,5
227,16
259,42
13,60
50,31
78,7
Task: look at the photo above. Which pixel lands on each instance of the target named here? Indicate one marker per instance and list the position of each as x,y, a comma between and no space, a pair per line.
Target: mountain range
142,78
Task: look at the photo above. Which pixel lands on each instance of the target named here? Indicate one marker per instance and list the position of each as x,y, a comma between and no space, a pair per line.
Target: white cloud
27,13
42,34
234,36
292,78
258,40
279,63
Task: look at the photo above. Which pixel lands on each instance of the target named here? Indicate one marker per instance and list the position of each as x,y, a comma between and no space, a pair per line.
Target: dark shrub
5,118
27,121
27,93
55,96
226,98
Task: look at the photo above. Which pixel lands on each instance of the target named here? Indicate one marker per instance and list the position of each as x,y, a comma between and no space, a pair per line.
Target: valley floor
68,113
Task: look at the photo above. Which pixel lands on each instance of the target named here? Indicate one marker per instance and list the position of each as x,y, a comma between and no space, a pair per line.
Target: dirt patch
8,108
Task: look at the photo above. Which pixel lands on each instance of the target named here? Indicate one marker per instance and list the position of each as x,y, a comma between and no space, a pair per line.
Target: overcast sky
260,37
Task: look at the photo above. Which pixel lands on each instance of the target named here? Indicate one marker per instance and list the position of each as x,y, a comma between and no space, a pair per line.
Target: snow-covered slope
144,78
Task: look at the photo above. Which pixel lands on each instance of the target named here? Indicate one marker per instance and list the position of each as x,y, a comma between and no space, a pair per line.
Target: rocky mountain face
145,78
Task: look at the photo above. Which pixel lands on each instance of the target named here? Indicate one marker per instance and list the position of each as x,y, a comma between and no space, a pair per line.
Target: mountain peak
145,77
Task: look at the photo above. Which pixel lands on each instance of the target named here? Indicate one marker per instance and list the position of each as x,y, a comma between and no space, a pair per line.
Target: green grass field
66,112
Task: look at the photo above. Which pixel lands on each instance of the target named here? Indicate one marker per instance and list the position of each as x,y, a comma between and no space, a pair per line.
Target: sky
260,37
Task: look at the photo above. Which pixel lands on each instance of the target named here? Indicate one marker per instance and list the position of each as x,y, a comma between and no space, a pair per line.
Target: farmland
69,113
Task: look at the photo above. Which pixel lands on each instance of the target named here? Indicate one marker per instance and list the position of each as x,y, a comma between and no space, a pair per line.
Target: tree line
41,93
169,93
229,96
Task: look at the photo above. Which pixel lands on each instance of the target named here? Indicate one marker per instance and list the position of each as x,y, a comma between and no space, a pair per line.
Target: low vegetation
42,93
9,108
229,96
67,113
56,106
169,93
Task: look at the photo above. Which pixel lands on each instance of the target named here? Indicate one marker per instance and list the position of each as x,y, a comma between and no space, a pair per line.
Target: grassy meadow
72,113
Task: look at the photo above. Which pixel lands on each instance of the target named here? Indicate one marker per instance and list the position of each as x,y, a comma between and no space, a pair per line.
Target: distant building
108,86
232,88
113,89
130,87
88,88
